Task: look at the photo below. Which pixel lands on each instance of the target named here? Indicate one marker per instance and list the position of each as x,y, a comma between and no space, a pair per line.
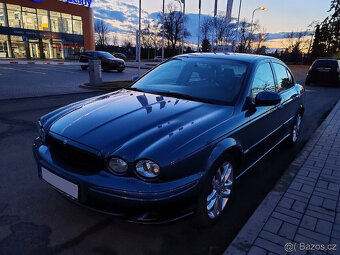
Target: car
159,59
324,70
120,55
173,143
108,61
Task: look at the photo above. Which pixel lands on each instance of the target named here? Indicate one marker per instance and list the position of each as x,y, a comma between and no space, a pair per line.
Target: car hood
139,125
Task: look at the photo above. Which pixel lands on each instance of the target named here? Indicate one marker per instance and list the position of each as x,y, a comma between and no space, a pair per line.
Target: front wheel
216,195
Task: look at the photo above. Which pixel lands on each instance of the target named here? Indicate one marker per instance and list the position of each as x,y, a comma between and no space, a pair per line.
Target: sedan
108,61
325,70
173,143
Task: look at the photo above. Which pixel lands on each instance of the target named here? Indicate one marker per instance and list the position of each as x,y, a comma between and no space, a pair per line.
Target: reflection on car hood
136,124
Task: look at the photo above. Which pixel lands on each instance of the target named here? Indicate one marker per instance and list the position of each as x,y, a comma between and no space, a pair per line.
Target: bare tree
244,31
206,26
295,41
261,37
101,30
173,26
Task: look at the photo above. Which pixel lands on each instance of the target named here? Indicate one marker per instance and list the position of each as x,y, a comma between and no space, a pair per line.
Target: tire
217,190
295,132
307,82
83,67
120,70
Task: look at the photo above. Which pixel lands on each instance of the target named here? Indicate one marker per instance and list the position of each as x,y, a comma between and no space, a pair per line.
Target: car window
283,80
290,77
209,79
325,64
263,80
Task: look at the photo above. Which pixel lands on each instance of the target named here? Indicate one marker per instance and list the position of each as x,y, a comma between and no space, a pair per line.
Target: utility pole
238,25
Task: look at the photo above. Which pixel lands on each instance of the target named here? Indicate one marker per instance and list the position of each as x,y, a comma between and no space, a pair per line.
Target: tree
206,47
244,31
173,26
101,31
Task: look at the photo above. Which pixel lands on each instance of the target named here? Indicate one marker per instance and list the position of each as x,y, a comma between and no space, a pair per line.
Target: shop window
18,47
14,15
77,25
67,23
56,22
4,47
43,23
2,15
29,17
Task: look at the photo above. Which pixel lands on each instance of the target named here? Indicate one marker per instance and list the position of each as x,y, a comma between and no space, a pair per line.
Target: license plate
59,183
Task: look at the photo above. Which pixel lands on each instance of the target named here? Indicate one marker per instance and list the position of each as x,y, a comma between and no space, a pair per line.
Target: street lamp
261,8
183,28
163,32
139,34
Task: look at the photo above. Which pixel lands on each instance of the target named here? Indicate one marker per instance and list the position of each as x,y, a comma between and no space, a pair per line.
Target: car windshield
105,55
211,80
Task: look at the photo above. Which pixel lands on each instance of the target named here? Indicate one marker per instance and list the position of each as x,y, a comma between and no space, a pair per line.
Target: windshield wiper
135,89
184,96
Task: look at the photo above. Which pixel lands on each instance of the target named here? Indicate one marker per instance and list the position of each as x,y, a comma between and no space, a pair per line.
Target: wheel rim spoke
221,190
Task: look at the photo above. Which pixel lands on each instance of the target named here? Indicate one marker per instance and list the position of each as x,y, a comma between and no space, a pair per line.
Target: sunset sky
282,15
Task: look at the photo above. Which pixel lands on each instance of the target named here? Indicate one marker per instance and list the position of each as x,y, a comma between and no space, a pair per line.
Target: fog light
147,168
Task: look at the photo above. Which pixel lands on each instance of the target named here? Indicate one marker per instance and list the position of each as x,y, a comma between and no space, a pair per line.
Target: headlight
117,165
147,168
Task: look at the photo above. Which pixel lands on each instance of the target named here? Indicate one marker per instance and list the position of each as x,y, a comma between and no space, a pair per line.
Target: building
45,29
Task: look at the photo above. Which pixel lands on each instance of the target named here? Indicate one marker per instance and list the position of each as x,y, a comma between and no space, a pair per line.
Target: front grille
73,156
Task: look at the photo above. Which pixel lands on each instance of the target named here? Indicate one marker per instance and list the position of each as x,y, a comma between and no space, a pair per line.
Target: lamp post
261,8
139,34
199,25
182,3
163,32
238,25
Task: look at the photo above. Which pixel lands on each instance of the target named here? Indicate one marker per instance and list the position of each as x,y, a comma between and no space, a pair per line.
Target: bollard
95,72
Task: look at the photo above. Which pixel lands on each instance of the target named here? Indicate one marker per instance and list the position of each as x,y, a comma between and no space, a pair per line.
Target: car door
290,103
262,125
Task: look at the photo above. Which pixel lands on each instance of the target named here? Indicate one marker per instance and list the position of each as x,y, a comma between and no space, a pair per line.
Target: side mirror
135,78
267,98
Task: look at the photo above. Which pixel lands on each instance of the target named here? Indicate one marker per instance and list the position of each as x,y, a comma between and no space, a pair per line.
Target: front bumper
126,197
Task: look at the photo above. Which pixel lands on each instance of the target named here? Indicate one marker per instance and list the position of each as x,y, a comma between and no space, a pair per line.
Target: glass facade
37,33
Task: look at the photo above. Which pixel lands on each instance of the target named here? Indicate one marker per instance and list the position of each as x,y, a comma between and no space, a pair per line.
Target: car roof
250,58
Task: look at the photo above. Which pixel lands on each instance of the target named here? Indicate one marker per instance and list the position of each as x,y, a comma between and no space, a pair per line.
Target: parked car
158,59
324,70
175,141
108,61
120,55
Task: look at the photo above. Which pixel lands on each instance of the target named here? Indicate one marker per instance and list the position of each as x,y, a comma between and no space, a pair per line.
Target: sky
282,15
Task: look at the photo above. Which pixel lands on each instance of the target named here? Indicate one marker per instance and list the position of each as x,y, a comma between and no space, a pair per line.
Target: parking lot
19,81
34,219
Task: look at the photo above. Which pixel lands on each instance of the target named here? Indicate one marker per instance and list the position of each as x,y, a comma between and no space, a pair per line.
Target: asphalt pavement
18,81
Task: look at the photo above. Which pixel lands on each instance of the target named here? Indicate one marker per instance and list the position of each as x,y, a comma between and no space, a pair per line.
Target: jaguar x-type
174,142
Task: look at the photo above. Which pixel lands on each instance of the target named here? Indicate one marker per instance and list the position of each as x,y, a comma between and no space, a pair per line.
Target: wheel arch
227,146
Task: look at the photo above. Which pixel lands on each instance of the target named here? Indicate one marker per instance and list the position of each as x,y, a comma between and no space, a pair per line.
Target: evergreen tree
206,47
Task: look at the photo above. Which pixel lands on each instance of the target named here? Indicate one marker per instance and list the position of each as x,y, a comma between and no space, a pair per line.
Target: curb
41,63
250,231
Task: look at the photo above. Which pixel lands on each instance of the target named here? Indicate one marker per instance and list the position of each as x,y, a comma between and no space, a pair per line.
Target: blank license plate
61,184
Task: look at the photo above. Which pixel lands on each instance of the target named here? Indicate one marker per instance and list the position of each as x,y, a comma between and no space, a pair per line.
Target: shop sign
86,3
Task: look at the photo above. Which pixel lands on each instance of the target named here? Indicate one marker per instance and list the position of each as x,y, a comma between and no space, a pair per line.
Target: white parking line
309,90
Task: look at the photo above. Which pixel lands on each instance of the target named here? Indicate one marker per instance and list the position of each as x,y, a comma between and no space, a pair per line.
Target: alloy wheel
221,189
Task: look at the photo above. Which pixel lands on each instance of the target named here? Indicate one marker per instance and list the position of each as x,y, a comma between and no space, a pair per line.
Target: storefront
45,29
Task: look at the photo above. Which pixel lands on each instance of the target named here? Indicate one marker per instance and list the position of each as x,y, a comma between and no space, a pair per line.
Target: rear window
326,64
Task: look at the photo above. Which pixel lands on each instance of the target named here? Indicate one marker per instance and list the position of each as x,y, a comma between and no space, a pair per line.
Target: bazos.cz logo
86,3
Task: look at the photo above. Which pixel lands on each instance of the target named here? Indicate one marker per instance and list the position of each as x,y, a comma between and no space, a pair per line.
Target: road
19,81
34,219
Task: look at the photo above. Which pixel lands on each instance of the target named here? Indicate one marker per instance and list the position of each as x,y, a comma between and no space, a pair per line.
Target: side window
290,78
283,79
264,80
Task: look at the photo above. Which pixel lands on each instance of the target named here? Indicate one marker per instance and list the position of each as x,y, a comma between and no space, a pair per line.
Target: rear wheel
307,81
120,70
83,67
213,201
